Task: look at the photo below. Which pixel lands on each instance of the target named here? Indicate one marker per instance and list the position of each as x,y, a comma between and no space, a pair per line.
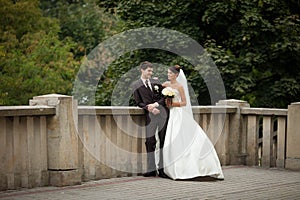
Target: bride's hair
175,69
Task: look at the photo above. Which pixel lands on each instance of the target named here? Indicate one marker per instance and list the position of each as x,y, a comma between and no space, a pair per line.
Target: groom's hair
144,65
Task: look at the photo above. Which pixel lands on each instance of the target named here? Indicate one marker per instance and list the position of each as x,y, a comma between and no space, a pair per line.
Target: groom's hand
155,111
150,107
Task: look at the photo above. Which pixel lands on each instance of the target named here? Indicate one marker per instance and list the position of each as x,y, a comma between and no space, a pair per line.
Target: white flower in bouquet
168,92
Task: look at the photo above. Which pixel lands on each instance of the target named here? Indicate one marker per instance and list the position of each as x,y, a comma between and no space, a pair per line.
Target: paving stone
241,182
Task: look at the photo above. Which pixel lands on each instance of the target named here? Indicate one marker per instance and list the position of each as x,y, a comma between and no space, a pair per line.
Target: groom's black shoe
149,174
162,174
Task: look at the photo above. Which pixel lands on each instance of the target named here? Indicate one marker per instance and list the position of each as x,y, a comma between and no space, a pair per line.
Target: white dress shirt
149,85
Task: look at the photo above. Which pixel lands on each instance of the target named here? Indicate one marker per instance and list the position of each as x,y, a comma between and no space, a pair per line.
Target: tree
259,49
177,15
254,44
87,25
83,21
33,61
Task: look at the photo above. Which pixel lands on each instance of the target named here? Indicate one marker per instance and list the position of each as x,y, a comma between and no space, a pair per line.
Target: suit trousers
155,123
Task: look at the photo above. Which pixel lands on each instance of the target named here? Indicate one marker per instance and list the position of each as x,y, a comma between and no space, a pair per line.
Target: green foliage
261,39
83,21
33,61
255,45
114,86
176,15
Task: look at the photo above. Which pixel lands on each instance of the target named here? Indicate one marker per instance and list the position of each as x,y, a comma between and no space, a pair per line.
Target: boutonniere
156,88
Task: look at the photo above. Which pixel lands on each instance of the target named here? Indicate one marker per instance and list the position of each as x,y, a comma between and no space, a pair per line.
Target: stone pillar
62,139
237,154
293,137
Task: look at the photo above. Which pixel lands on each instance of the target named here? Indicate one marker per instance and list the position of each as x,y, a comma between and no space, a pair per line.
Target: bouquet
169,94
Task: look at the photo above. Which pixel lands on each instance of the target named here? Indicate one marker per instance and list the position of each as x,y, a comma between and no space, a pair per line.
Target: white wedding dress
188,152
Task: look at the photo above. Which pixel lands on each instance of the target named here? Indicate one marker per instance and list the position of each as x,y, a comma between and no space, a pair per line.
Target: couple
185,150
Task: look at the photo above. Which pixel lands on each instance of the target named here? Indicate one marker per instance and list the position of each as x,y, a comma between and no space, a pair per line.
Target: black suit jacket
144,96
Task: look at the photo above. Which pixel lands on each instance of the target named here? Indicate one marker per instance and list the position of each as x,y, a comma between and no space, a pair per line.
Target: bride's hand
168,103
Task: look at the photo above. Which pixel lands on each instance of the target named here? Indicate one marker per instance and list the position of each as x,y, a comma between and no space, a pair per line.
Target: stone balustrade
265,129
23,146
55,142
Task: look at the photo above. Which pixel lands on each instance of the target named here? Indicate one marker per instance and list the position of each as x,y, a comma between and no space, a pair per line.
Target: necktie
147,85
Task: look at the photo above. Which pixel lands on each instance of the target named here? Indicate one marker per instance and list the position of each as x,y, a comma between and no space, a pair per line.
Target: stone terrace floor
241,182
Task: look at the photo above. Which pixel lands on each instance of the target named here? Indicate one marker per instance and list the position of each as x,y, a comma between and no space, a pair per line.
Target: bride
187,152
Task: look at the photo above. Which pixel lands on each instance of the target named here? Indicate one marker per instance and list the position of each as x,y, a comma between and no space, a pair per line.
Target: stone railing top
264,111
233,102
219,109
26,110
296,103
52,96
109,110
132,110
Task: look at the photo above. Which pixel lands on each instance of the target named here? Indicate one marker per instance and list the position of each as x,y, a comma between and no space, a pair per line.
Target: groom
147,95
